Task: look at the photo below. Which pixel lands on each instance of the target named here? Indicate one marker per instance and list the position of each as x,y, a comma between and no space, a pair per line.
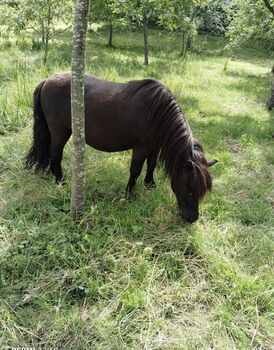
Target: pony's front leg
139,155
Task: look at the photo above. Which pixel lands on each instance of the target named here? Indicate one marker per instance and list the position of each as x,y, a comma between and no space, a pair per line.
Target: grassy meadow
132,275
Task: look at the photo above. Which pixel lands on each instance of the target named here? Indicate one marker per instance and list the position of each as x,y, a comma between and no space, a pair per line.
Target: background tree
250,20
270,102
47,18
180,15
139,13
104,11
78,106
269,5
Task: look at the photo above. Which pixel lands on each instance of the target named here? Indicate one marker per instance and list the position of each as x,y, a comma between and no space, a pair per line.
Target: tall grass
132,275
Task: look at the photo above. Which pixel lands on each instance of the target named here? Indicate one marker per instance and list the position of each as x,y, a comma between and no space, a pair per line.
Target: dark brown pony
140,115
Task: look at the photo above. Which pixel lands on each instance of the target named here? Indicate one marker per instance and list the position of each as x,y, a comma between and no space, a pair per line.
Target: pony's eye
190,194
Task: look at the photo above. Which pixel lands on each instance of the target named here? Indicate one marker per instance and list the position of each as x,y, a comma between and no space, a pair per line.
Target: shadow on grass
256,86
217,126
118,61
47,241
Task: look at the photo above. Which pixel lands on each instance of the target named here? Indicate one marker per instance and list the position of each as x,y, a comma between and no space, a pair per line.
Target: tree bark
183,43
145,41
46,33
183,47
189,43
270,102
78,107
269,7
46,50
110,33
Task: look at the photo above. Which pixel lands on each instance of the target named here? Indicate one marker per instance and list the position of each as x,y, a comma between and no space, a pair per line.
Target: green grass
132,275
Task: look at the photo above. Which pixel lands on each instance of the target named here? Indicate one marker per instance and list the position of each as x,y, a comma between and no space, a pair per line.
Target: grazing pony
141,115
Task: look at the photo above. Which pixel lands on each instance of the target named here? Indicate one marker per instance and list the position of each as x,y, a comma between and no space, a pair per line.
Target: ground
132,274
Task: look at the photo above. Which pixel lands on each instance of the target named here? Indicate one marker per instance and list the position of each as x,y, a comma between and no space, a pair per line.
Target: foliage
8,10
181,16
104,11
138,13
135,10
47,18
175,15
213,17
251,20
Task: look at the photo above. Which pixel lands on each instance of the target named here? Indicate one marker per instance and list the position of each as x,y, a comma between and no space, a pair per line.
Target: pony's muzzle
190,218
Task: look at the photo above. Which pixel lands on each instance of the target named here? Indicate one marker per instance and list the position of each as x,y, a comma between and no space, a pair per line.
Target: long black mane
171,136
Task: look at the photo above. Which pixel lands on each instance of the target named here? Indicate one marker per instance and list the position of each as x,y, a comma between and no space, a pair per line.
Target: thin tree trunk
46,33
145,41
188,38
189,42
77,107
271,97
183,43
183,47
46,50
269,7
43,33
110,34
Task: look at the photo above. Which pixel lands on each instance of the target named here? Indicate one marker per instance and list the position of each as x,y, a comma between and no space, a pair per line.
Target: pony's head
191,183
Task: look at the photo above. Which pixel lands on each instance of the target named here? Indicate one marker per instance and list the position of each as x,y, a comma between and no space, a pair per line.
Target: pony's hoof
61,182
150,185
129,195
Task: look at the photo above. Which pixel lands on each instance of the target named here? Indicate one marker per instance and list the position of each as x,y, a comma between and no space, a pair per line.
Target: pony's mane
171,135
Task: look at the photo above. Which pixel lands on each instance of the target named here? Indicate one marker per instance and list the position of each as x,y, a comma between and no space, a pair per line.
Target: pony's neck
172,135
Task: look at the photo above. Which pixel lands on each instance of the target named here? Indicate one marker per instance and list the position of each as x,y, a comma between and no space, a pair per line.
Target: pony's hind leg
151,165
139,155
58,141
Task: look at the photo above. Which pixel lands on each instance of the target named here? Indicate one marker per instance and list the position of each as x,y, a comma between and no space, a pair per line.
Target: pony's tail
39,154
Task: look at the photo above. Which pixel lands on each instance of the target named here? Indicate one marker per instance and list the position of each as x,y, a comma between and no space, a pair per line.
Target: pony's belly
109,143
107,148
112,138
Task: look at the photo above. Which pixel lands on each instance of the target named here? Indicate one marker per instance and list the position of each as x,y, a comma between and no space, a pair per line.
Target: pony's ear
212,162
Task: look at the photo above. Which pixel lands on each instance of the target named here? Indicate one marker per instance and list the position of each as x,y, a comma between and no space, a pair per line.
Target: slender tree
78,106
180,15
145,40
104,11
270,102
139,13
270,6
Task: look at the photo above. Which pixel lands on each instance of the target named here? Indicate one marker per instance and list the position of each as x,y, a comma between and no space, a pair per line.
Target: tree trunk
46,32
269,7
46,50
189,43
77,107
145,41
110,34
183,47
270,103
